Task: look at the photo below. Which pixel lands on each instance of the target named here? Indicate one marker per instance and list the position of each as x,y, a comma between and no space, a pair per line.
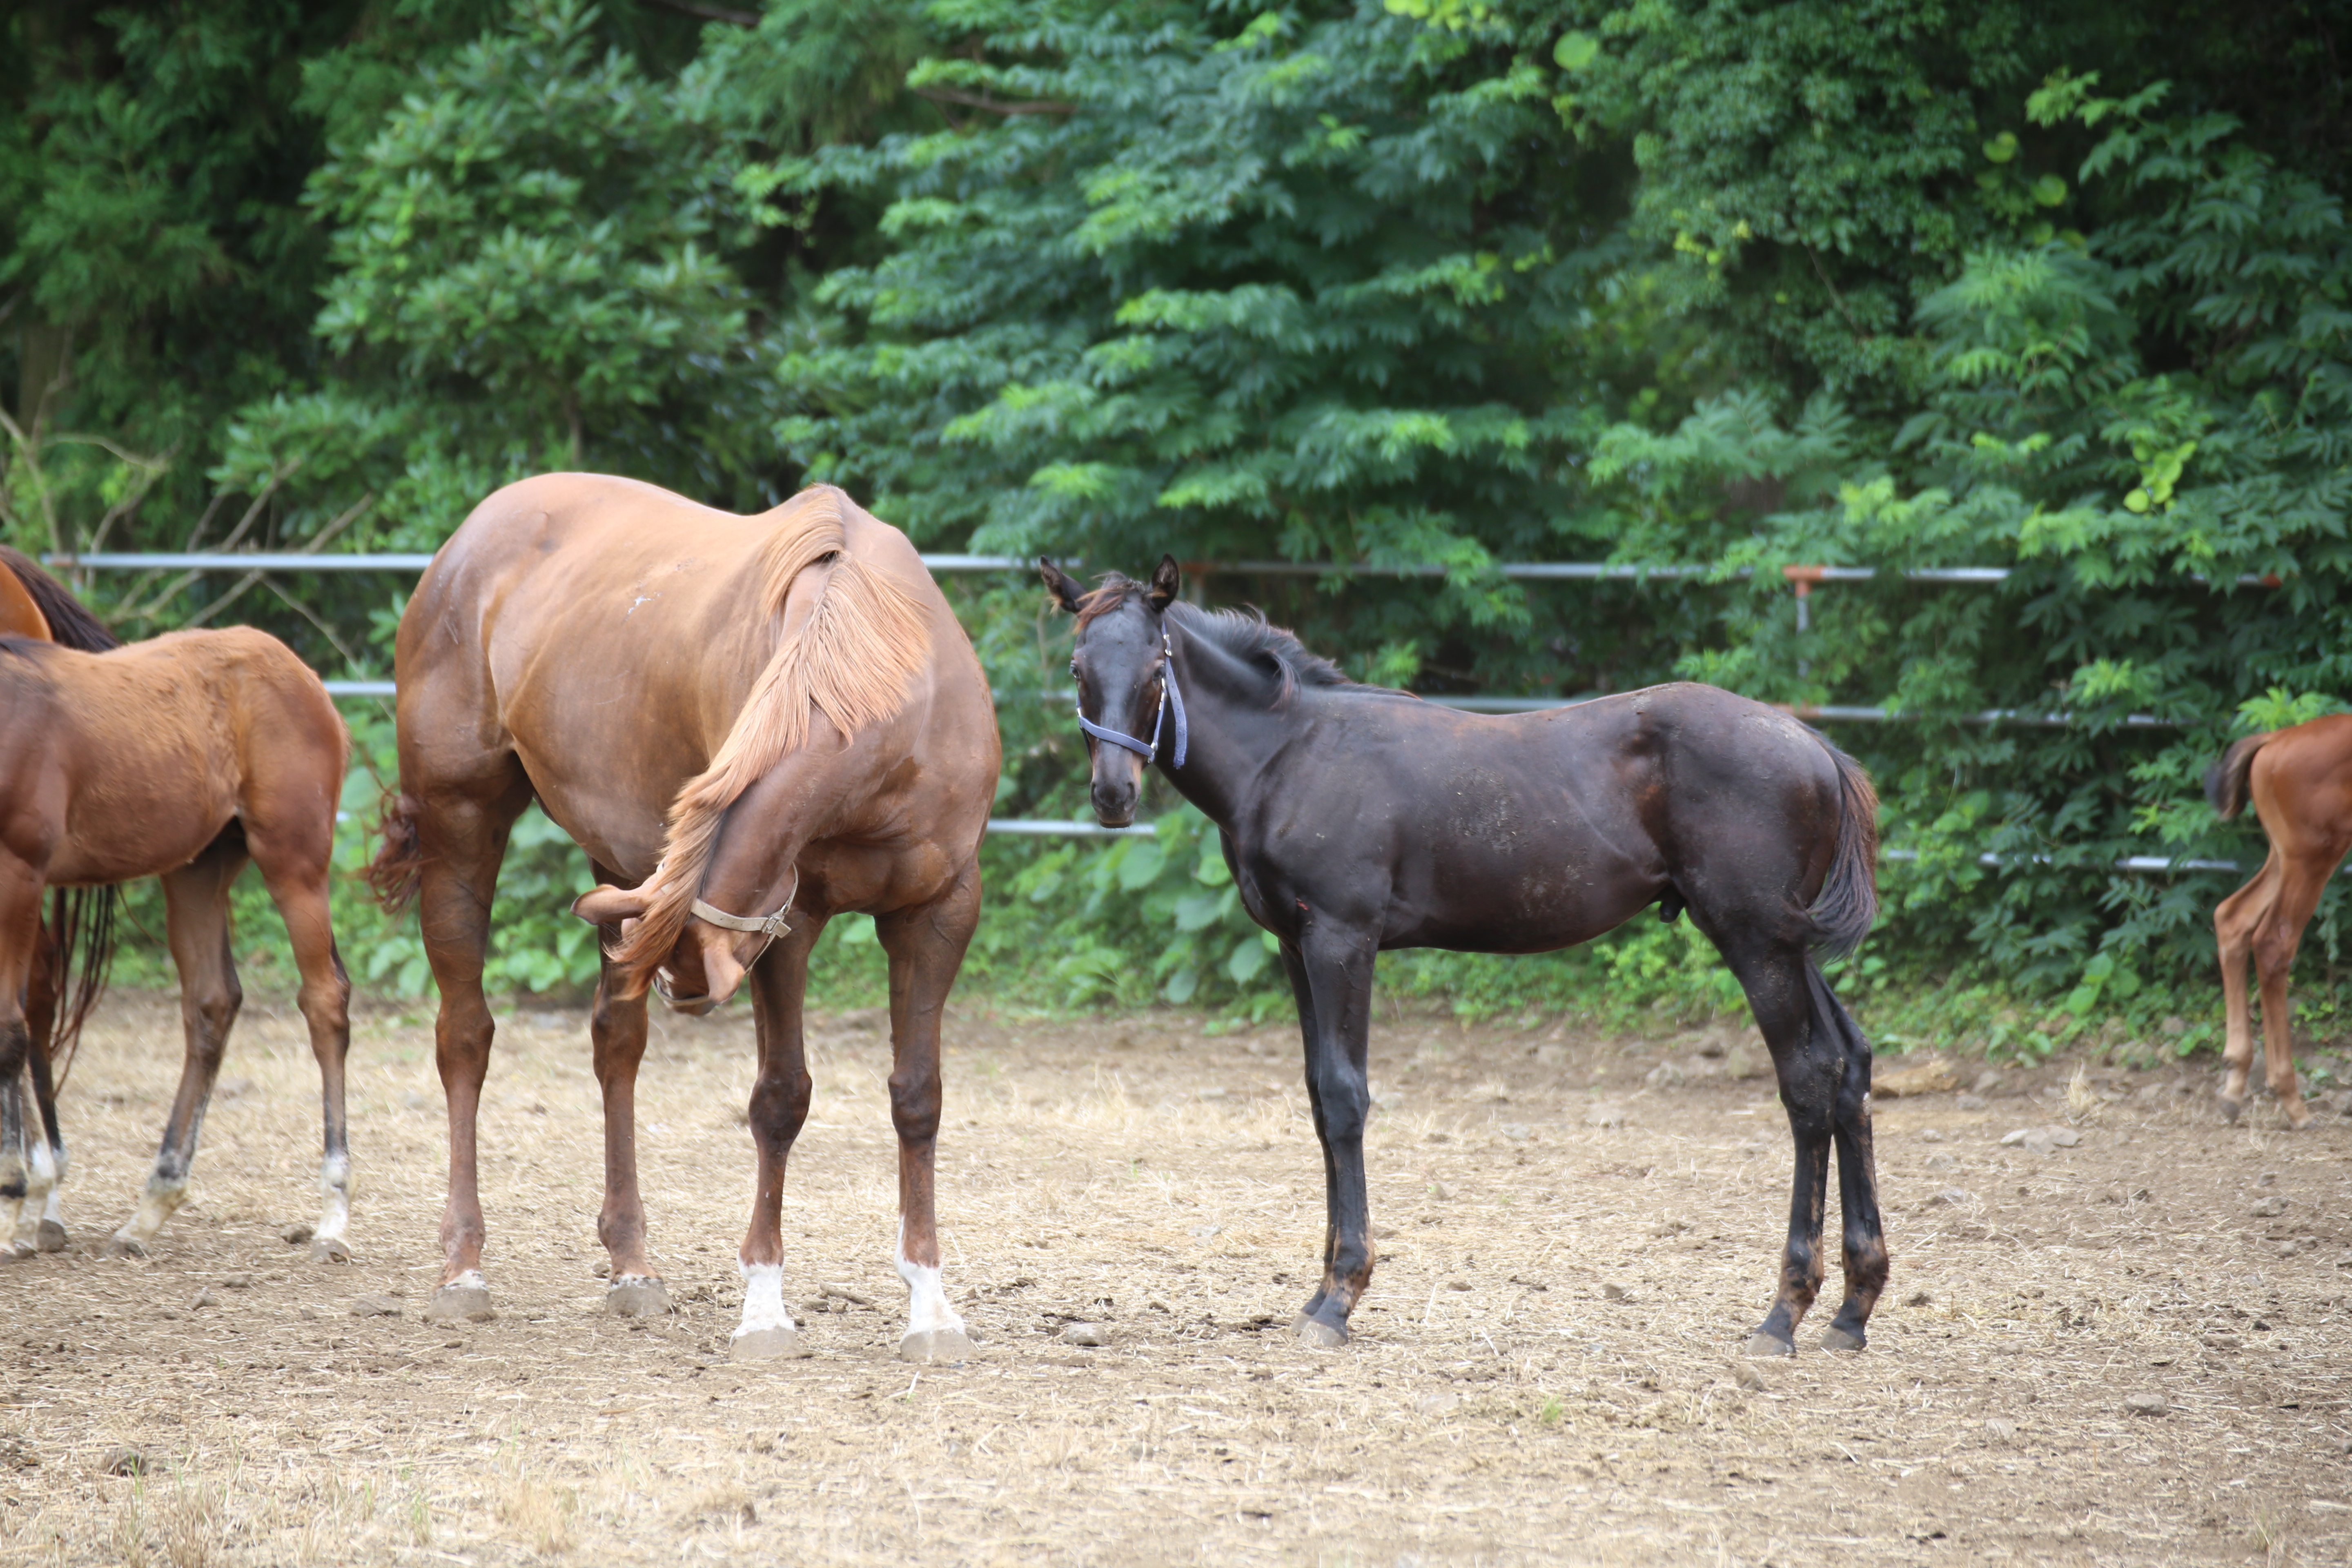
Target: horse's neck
1232,732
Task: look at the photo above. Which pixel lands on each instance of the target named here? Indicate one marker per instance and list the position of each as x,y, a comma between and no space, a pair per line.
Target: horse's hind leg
616,1030
926,945
463,835
294,864
2235,921
196,927
2304,878
1864,1239
40,1223
780,1104
1812,1063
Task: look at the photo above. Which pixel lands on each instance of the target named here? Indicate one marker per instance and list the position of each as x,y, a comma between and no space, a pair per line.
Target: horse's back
163,741
608,634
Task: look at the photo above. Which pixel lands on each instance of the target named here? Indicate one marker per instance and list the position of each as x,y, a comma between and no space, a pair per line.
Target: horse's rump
855,659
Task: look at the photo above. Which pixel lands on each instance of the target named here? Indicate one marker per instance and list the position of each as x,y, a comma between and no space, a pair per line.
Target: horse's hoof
1318,1335
1762,1345
51,1236
763,1344
638,1295
121,1246
459,1304
330,1249
1838,1339
947,1345
2298,1119
2229,1109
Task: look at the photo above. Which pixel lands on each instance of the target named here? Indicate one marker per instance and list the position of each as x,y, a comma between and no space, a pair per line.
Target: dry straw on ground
2096,1354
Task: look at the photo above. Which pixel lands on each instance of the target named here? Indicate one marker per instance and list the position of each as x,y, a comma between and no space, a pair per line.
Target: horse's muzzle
1114,807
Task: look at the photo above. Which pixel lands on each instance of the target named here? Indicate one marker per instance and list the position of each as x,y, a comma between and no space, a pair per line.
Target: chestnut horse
1357,819
179,758
75,946
755,724
2300,780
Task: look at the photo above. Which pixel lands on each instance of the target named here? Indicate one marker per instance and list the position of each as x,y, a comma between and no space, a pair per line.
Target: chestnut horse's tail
1848,900
399,865
2225,781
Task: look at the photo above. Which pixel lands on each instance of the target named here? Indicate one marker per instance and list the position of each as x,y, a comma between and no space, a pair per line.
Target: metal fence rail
1801,578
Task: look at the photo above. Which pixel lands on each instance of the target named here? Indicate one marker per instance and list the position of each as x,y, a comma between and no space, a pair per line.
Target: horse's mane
855,659
69,619
1246,634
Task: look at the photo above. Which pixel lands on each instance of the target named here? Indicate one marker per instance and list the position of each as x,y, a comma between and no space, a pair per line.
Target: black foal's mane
1246,634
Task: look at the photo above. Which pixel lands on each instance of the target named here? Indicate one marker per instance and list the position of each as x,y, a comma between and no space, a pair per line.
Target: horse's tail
1848,900
2225,781
399,865
70,621
82,936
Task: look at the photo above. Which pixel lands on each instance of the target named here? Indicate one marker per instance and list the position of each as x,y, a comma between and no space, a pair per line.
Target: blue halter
1169,697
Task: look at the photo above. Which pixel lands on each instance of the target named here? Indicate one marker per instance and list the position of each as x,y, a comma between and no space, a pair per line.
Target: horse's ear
1165,579
606,905
1066,590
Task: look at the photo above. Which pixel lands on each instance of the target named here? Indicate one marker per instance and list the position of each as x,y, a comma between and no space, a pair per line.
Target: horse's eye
1074,666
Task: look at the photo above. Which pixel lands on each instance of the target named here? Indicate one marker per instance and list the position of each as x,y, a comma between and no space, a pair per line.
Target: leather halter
1169,697
770,926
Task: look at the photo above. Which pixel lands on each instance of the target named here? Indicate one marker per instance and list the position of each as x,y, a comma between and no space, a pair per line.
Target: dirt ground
1573,1244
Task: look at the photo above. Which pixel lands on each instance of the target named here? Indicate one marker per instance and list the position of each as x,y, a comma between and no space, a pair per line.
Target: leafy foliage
1429,285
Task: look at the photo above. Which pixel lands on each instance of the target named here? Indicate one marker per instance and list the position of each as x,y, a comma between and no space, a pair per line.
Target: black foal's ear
1165,581
1066,589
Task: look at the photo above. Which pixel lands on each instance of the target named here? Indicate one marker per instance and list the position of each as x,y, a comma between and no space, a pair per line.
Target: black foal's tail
81,934
1848,902
2225,781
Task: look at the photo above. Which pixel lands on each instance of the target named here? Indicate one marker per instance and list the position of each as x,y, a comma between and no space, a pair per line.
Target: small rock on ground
205,1298
1613,1291
240,1280
1932,1076
2270,1206
1605,1115
1439,1402
2000,1431
2146,1404
1089,1334
374,1307
1746,1375
295,1234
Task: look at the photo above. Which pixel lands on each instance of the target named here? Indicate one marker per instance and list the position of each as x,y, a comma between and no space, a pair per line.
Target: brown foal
180,758
2300,780
751,724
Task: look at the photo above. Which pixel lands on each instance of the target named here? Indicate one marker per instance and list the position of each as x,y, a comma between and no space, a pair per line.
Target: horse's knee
915,1106
780,1108
212,1010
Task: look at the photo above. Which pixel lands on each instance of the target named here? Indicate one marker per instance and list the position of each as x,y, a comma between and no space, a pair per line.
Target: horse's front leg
616,1028
780,1105
926,945
1335,1019
196,927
